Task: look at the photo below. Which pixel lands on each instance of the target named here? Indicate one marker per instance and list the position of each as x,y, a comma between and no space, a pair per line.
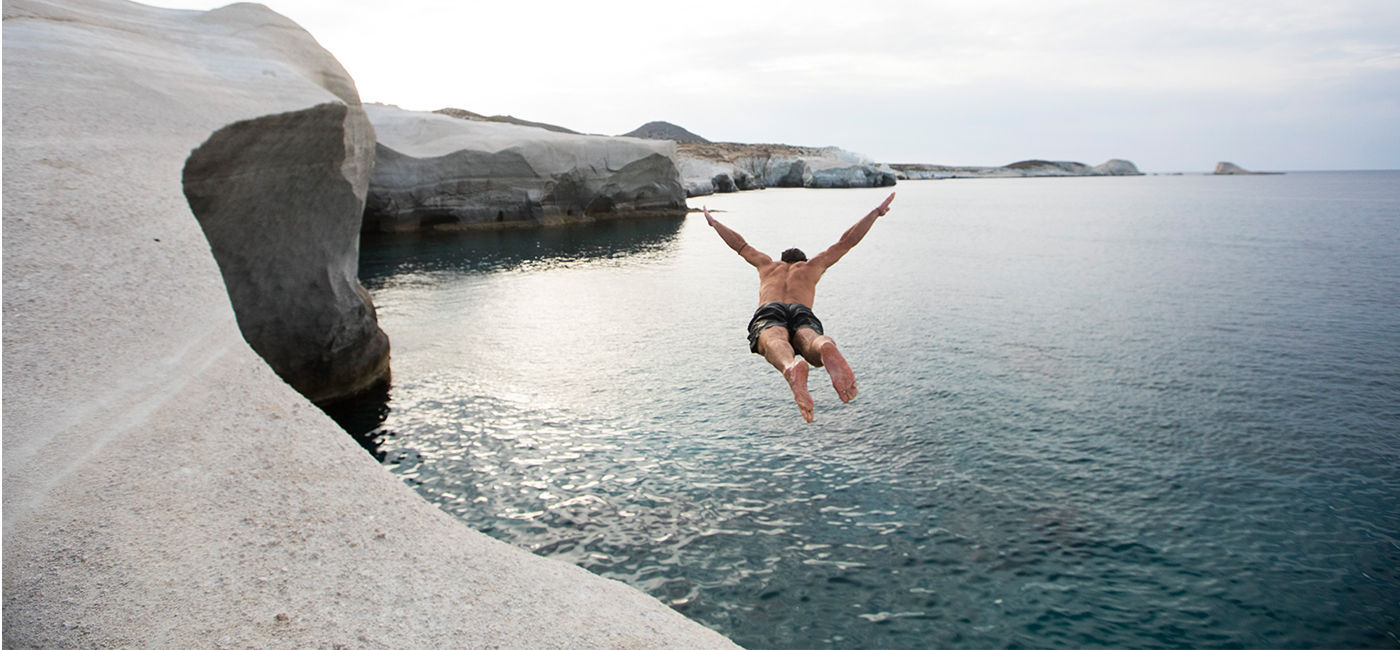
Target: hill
665,131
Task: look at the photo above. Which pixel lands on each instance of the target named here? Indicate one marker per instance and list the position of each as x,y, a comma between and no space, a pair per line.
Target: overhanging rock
162,486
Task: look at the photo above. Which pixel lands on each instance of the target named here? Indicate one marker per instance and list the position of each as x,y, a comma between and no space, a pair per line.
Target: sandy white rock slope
162,486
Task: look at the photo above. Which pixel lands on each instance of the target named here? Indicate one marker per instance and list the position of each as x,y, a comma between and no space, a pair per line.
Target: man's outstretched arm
852,236
736,242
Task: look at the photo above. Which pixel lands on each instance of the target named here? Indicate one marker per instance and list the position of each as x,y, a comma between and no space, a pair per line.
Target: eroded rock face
278,197
710,167
436,171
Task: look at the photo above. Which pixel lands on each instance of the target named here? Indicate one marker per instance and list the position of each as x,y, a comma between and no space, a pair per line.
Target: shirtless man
784,325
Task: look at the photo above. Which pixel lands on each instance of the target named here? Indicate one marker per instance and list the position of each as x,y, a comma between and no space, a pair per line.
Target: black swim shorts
792,315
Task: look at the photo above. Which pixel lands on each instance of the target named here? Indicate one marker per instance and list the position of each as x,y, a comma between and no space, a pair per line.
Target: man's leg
773,345
821,351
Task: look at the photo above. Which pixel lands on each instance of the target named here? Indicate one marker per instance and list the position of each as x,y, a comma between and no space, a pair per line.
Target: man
784,325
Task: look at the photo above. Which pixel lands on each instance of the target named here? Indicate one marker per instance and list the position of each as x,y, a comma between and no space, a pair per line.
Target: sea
1148,412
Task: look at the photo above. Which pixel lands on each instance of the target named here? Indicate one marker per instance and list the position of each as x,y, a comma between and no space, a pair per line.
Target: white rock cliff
162,486
710,167
436,171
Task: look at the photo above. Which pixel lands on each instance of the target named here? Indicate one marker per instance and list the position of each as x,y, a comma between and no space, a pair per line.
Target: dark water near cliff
1141,412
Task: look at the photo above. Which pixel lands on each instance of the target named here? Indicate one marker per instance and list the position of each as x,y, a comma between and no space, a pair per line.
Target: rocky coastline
1022,169
184,194
708,167
717,167
438,171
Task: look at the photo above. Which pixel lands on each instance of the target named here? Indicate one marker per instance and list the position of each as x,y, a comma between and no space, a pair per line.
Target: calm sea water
1156,411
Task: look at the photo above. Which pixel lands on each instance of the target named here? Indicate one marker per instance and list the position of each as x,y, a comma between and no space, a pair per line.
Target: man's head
794,255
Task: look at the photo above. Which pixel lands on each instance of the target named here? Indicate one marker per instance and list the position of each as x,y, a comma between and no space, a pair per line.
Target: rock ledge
163,487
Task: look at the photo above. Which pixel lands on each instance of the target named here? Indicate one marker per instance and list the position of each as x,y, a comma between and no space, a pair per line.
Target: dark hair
794,255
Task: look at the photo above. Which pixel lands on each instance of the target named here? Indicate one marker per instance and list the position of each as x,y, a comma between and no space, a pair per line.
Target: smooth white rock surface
162,487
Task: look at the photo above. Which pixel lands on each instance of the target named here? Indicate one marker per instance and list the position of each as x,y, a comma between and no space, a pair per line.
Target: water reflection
385,256
388,258
1095,412
362,416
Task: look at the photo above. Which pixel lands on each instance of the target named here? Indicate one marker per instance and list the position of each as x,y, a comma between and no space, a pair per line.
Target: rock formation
728,167
277,197
1231,169
1021,169
1116,167
434,171
162,486
709,167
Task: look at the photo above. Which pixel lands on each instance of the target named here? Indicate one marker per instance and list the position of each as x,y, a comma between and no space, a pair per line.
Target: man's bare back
784,325
789,282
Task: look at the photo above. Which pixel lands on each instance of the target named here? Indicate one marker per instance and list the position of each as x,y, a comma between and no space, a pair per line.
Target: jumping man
784,325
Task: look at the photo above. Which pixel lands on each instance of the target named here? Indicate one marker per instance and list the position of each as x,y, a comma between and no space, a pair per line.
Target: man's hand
708,219
884,207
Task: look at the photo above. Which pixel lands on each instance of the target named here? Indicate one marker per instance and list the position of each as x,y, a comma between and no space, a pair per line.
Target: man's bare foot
796,376
842,379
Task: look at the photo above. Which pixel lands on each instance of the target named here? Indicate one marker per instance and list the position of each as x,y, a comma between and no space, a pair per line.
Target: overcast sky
1172,85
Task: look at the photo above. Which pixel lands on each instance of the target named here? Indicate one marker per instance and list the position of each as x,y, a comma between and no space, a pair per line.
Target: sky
1172,85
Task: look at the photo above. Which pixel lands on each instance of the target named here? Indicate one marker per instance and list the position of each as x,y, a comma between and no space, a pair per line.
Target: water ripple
1129,412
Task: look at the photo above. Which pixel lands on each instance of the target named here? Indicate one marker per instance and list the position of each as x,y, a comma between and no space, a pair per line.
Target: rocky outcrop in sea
435,171
1231,169
1024,168
168,176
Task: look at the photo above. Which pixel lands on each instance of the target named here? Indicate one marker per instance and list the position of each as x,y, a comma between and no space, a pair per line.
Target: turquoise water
1144,412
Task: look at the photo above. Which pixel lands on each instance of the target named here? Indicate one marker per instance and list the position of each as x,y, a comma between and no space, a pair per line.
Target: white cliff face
162,486
432,170
160,83
708,168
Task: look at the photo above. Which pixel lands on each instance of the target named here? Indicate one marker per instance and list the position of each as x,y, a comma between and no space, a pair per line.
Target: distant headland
709,167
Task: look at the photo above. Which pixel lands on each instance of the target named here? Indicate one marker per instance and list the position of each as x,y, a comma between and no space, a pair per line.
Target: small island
1231,169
